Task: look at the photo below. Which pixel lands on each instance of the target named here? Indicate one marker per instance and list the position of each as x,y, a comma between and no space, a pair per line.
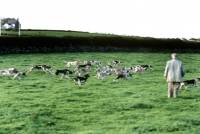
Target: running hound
123,76
71,63
193,82
45,68
19,75
81,80
8,71
102,75
64,72
116,63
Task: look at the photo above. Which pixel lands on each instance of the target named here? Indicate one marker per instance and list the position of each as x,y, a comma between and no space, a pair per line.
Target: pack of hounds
83,68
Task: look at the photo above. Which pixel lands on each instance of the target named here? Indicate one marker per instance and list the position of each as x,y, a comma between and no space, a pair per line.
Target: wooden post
0,26
19,26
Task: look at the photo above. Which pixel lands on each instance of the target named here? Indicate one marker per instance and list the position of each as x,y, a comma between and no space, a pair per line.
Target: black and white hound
45,68
81,80
19,75
64,72
102,75
193,82
102,68
147,66
116,63
11,72
82,66
123,76
8,71
138,69
81,70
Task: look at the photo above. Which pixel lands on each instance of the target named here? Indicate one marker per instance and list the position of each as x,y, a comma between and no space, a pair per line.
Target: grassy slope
43,103
54,33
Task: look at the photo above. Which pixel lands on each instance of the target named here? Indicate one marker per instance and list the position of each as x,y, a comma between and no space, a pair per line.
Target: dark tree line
94,44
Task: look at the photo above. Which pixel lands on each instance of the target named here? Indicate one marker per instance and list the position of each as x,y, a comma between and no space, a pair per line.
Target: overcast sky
145,18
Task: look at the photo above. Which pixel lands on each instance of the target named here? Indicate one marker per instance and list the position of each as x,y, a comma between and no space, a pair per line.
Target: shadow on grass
190,97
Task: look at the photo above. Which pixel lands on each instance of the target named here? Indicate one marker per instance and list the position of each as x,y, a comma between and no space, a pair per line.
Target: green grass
46,104
55,33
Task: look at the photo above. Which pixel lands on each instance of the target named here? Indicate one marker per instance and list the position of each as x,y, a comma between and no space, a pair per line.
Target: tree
5,20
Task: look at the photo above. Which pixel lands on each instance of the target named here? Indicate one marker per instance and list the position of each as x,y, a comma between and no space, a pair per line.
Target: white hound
8,71
71,63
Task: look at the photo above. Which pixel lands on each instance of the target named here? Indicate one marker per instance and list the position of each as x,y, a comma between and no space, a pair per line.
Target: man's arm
166,71
182,70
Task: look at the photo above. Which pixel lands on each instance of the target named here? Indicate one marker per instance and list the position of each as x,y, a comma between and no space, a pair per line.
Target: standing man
174,71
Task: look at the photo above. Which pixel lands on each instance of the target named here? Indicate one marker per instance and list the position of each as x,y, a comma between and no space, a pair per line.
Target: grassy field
42,103
55,33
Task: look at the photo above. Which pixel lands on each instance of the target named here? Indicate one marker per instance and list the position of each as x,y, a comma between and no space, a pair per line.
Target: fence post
0,26
19,26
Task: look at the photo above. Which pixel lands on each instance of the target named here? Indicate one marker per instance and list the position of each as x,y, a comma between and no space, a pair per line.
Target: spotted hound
81,80
193,82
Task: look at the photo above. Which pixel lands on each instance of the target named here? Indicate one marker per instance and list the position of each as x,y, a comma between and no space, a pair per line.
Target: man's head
174,55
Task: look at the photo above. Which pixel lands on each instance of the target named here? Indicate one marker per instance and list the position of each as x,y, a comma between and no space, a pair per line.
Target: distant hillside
55,33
